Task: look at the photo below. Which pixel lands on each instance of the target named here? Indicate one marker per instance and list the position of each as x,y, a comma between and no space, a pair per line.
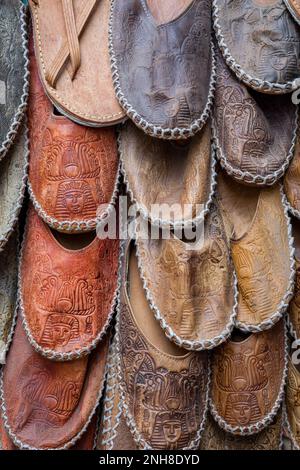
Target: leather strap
71,47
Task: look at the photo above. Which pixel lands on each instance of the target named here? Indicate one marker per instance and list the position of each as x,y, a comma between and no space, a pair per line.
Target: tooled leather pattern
164,70
262,37
155,178
12,64
214,438
262,260
247,377
166,395
292,180
67,295
198,298
48,403
73,168
255,131
294,307
293,402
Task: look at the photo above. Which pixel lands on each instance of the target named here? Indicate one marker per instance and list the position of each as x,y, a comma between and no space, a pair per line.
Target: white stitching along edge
251,178
139,440
168,223
10,137
257,84
283,305
149,128
263,423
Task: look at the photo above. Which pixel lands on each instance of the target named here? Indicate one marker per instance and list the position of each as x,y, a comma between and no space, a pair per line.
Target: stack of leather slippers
180,331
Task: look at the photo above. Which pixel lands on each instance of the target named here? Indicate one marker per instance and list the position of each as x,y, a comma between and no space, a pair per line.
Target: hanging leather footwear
47,404
13,177
291,182
248,380
255,134
197,306
67,292
163,389
260,43
163,66
8,292
292,402
73,176
71,45
171,184
215,438
13,71
262,252
294,307
294,8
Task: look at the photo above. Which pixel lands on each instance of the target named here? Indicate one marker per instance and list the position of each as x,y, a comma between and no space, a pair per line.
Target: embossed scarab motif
198,301
260,42
293,403
13,69
248,379
145,56
73,169
47,404
71,82
67,296
215,438
165,394
255,133
178,180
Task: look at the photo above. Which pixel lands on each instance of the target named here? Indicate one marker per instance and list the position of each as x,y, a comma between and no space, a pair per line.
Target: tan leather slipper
293,404
171,184
71,44
262,252
68,289
74,170
291,181
248,380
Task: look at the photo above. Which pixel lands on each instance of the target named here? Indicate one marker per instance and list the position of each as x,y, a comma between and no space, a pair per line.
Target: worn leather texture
67,295
261,254
13,173
262,38
291,181
159,172
13,68
215,438
163,70
294,8
254,131
294,307
8,291
292,402
73,169
198,299
164,394
76,97
247,377
47,403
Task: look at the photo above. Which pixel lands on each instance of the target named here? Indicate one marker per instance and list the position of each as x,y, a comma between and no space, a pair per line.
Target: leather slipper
178,180
8,293
71,45
291,181
215,438
255,134
262,252
260,43
47,404
163,389
74,170
163,66
13,71
13,177
248,381
294,307
67,292
197,306
292,412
